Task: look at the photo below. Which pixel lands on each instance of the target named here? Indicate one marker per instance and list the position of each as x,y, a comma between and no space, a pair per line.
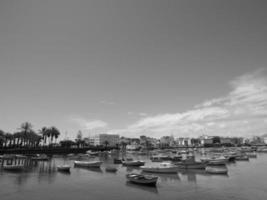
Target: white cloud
89,124
242,112
105,102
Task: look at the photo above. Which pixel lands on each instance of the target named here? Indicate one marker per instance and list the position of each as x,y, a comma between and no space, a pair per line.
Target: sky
131,67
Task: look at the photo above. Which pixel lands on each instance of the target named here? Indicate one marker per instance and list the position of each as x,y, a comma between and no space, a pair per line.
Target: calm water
245,180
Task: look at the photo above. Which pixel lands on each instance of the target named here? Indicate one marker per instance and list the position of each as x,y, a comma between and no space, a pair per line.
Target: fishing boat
142,179
16,167
63,168
161,168
216,170
95,164
133,163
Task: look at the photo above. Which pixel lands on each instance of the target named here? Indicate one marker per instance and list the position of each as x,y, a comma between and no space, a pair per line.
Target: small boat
161,168
63,168
13,167
216,170
95,164
133,163
92,153
111,169
215,160
142,179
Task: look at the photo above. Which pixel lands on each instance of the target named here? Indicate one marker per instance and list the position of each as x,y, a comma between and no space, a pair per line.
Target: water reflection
152,189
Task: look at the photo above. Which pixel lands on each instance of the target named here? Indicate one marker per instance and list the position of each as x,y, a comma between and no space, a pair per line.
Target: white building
110,139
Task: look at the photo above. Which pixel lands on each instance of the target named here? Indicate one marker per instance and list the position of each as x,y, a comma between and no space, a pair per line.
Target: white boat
216,170
142,179
92,153
161,168
95,164
13,167
63,168
215,160
134,163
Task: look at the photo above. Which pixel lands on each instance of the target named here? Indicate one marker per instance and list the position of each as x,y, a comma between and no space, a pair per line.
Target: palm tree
54,132
26,128
2,138
43,132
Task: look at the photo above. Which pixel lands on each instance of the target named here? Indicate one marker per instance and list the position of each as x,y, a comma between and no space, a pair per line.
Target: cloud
89,124
242,112
107,102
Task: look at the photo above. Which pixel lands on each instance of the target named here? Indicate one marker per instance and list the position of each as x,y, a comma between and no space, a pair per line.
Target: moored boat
134,163
95,164
63,168
142,179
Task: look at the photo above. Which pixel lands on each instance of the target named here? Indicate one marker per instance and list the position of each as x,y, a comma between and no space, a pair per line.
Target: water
245,180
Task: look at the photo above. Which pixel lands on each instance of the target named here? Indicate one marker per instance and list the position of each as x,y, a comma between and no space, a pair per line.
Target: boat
111,169
134,163
216,170
16,167
163,167
63,168
92,153
142,179
95,164
221,160
190,163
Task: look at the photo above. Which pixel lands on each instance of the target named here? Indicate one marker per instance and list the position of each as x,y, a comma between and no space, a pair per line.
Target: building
167,141
106,139
206,140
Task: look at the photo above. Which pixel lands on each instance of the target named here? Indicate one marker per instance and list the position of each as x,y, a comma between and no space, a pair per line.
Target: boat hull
96,164
142,180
